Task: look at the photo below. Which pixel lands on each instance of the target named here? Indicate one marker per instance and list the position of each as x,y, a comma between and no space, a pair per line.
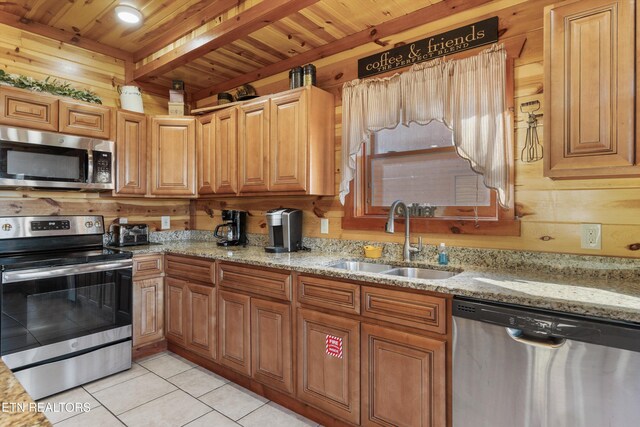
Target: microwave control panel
101,167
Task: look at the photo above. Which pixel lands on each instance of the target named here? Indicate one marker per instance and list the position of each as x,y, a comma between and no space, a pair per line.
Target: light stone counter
605,289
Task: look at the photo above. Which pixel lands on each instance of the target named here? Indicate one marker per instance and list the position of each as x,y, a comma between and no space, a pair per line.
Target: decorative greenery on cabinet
47,85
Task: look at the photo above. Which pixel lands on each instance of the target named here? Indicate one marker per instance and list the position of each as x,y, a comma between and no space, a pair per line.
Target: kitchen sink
367,267
410,272
420,273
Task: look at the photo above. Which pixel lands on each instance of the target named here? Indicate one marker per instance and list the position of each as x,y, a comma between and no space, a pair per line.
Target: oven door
51,312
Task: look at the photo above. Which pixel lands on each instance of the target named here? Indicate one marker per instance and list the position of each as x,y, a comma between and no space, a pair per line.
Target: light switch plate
166,223
324,226
591,236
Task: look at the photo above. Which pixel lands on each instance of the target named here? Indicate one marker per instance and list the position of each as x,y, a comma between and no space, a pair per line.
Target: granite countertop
593,292
12,397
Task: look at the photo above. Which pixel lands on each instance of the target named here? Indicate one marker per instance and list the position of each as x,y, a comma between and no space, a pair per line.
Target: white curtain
467,95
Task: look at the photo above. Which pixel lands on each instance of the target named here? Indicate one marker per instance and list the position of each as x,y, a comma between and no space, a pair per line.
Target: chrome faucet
389,228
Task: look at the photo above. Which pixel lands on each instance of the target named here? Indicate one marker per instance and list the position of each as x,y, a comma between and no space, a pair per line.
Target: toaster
130,234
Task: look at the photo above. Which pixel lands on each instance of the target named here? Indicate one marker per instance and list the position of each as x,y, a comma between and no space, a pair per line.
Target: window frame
506,224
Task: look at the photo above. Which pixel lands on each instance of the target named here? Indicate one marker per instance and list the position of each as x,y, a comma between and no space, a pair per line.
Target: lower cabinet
148,311
234,314
201,319
329,363
174,310
403,378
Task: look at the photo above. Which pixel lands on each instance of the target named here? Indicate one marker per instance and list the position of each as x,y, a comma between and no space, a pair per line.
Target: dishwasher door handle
550,342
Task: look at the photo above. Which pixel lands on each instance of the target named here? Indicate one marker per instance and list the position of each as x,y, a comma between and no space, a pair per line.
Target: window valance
467,95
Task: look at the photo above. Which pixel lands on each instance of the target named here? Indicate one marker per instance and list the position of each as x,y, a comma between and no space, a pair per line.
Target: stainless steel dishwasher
520,367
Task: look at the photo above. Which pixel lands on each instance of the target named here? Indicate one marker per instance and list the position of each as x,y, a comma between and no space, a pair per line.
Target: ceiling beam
394,26
243,24
72,39
177,28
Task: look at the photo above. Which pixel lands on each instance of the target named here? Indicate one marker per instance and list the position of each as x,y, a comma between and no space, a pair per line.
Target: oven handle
49,272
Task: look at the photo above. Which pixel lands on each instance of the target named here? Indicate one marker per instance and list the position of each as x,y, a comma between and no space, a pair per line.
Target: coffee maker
233,231
285,230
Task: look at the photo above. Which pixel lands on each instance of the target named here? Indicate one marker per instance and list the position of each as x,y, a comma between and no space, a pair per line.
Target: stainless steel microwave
32,158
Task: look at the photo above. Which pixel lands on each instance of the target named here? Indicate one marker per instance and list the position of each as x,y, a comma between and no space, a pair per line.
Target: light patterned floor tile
213,418
96,417
166,366
274,415
174,409
233,401
135,371
198,381
63,405
135,392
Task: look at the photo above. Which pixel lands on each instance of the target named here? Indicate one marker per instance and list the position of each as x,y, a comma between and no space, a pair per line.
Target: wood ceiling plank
63,36
245,23
181,25
262,47
396,25
317,30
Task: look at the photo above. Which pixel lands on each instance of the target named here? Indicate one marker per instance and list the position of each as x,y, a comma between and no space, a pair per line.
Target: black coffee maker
233,231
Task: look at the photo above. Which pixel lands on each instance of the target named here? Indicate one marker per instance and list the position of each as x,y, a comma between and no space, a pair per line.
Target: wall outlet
166,223
324,226
591,236
122,220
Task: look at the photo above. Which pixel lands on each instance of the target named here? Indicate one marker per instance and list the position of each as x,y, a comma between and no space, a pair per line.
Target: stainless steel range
66,302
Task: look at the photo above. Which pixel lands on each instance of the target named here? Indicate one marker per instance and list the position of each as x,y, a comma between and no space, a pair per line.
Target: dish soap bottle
443,256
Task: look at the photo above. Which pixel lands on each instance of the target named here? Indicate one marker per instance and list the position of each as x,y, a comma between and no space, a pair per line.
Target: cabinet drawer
87,120
147,266
331,294
266,282
198,269
19,108
404,308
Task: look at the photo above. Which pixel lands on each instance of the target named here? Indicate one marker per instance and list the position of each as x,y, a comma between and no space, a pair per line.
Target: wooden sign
454,41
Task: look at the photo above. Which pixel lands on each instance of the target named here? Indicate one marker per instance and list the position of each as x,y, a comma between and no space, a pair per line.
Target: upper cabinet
131,153
589,56
85,119
26,109
217,153
286,143
173,150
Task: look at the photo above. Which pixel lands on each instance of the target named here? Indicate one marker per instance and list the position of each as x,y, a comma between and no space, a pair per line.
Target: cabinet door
83,119
589,89
253,146
131,153
288,142
329,364
201,320
403,379
233,331
148,313
217,153
173,149
271,352
174,311
29,110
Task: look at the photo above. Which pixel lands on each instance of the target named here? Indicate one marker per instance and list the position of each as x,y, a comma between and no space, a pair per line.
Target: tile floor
167,390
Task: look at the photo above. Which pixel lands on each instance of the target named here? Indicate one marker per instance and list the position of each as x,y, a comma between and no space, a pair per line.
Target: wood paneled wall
32,55
551,211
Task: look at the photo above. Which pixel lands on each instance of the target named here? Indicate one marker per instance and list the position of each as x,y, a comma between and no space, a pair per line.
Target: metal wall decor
532,151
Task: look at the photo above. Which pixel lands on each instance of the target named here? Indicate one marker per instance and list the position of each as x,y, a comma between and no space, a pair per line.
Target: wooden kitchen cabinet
83,119
148,312
253,146
330,382
26,109
217,153
172,156
175,296
589,58
200,322
234,314
271,344
131,153
403,379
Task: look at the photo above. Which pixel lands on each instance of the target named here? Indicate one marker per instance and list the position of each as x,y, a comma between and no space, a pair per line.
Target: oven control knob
6,227
88,224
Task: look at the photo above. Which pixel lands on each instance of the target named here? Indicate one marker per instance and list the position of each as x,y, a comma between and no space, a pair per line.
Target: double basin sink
410,272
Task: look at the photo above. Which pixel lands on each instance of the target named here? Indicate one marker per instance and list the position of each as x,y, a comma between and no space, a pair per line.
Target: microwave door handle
89,166
13,276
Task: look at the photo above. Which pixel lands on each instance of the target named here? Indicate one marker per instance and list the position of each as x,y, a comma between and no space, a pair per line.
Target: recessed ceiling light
128,14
